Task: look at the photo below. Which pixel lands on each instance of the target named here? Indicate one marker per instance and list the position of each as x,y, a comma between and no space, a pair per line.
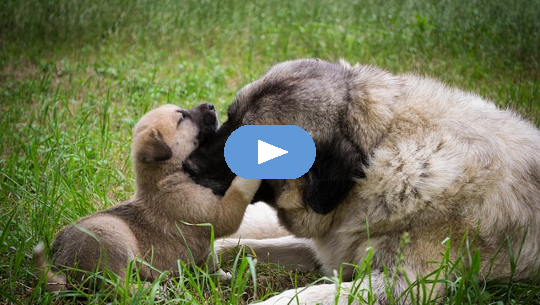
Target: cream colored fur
154,225
443,165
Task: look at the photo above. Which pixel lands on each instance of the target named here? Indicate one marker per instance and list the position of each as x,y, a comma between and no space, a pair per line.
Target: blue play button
270,151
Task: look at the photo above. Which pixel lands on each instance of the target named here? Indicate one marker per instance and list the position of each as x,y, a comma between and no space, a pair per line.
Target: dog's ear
337,164
151,147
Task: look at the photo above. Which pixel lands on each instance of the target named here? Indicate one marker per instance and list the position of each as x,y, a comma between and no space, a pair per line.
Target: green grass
76,75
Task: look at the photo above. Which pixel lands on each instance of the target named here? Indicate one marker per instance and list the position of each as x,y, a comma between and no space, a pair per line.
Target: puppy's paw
248,186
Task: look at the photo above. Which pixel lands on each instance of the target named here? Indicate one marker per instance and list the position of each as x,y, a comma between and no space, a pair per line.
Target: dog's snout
204,107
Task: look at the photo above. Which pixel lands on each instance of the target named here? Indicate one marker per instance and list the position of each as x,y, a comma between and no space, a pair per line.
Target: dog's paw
224,276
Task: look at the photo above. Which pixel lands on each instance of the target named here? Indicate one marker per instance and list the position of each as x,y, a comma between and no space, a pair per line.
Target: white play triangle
267,152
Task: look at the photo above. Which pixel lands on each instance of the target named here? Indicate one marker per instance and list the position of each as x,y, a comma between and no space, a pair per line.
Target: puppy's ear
151,148
337,164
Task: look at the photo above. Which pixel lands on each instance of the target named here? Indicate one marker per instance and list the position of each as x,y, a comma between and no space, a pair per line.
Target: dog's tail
53,282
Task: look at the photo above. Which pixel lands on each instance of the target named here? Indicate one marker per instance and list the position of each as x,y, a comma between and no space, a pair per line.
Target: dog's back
450,165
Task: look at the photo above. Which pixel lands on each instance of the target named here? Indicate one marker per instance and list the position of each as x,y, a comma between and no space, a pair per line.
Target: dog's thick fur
154,224
395,154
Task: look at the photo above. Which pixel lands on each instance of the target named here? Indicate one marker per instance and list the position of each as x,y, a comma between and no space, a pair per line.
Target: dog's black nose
210,106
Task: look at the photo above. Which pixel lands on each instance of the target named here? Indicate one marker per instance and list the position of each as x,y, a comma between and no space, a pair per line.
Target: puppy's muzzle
206,118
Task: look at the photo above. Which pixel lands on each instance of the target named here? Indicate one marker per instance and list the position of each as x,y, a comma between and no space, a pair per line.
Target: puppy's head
170,133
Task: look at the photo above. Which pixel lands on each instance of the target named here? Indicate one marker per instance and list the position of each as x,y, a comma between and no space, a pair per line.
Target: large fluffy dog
152,225
395,154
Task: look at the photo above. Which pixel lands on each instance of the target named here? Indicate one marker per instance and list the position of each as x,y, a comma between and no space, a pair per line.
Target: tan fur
260,226
154,224
440,163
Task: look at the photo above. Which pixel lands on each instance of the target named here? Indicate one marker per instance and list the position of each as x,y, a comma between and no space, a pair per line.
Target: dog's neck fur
376,94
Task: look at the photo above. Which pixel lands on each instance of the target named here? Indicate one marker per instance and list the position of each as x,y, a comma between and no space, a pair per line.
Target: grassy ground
76,75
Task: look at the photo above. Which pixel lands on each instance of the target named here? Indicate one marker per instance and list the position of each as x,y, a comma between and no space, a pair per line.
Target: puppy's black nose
210,106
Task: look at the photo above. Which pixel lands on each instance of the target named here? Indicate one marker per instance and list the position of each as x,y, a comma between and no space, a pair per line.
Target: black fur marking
207,165
205,117
337,164
265,193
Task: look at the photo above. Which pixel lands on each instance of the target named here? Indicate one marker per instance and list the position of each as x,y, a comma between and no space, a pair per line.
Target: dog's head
345,110
170,133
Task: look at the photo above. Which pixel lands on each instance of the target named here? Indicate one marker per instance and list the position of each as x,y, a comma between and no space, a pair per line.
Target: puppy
154,225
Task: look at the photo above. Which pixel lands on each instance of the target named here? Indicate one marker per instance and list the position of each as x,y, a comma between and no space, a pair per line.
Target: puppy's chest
163,241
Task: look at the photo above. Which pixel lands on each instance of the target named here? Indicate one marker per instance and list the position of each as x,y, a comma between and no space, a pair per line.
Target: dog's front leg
373,288
326,294
288,251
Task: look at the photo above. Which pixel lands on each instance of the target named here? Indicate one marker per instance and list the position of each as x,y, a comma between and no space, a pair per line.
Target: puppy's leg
54,282
228,214
246,187
287,251
91,245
